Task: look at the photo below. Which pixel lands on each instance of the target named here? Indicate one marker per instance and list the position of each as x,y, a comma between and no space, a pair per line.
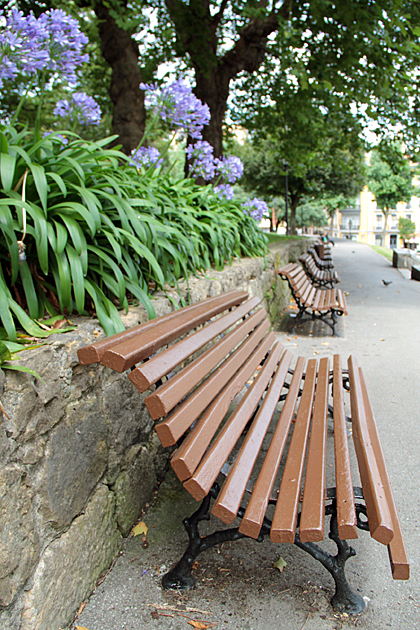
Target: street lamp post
286,171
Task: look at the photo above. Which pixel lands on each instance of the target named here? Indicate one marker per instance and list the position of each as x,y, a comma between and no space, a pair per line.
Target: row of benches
312,287
264,464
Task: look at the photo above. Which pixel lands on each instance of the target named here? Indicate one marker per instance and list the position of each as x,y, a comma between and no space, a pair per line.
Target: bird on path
386,282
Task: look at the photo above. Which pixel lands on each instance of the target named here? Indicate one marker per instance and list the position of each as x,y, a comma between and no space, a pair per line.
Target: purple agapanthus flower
224,191
230,168
53,43
201,157
179,107
57,137
256,208
79,107
143,157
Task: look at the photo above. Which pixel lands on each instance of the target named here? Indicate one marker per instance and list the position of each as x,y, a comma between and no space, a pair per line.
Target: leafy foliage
390,178
98,234
406,228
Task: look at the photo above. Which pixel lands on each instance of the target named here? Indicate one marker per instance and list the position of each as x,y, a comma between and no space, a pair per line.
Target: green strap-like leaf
62,235
77,278
28,287
26,322
76,233
41,185
104,319
65,281
59,181
21,368
72,208
5,354
7,170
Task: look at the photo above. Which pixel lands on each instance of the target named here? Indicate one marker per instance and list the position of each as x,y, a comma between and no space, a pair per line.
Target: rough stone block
19,542
70,566
134,487
76,459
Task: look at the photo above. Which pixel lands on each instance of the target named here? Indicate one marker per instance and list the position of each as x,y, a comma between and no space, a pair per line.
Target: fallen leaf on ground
325,343
81,628
140,528
280,564
196,623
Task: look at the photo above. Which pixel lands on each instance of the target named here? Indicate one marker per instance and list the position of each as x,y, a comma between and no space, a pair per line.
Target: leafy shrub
81,229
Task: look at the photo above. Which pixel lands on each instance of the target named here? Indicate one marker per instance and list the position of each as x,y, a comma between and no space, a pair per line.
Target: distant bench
313,302
276,458
320,277
321,263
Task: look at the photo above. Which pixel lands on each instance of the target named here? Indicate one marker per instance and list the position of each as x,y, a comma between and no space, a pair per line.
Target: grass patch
275,238
384,251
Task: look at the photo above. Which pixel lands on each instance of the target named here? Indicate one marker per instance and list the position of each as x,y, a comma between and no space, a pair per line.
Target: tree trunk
294,202
332,215
213,88
121,52
197,30
385,212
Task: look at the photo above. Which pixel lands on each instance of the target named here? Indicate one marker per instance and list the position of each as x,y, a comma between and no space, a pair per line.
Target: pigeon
386,282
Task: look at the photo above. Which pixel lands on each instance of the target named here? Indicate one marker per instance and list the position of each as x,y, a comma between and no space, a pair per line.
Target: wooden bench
320,277
324,251
270,454
320,263
313,302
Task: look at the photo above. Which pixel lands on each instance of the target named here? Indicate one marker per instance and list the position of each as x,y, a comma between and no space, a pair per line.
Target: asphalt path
238,588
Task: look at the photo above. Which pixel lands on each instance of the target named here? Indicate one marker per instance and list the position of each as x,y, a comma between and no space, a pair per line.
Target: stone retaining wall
79,460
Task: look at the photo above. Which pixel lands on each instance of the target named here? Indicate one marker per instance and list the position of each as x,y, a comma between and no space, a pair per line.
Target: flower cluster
52,42
230,168
202,161
256,208
79,108
143,157
224,191
179,107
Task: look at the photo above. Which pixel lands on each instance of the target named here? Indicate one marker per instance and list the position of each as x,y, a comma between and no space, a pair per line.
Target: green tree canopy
390,178
321,149
406,228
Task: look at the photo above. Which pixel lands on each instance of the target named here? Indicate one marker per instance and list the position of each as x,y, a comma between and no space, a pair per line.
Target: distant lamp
286,168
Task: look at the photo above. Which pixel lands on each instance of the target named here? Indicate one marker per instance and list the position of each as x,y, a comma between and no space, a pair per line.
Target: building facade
365,222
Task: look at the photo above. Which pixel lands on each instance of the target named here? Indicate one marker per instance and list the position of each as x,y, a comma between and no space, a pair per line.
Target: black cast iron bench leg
344,599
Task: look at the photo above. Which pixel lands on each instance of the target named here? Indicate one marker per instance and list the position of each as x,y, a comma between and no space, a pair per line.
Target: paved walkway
238,588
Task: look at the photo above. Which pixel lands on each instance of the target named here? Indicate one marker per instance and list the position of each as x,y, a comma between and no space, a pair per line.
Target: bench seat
265,463
314,302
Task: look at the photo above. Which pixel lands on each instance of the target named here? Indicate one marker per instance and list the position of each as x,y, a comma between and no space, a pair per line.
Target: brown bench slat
94,352
285,516
380,521
187,457
130,351
177,422
306,296
318,300
210,466
164,399
341,298
228,502
346,513
151,371
257,506
311,528
396,548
